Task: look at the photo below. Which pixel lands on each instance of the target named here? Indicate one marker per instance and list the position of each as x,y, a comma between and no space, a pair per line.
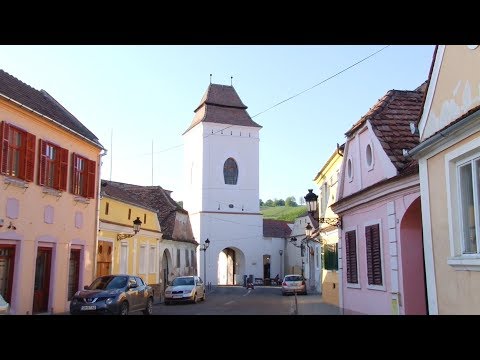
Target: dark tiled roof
276,228
221,104
390,119
43,103
111,190
159,199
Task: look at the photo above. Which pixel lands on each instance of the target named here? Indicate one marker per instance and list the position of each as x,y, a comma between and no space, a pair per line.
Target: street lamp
281,263
136,228
311,200
204,247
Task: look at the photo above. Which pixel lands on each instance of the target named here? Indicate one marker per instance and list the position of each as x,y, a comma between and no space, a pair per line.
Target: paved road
236,300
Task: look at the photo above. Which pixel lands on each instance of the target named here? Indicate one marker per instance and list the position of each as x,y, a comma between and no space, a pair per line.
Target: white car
292,284
185,288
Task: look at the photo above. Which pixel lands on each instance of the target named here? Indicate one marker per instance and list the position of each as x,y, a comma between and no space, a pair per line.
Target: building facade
50,171
449,159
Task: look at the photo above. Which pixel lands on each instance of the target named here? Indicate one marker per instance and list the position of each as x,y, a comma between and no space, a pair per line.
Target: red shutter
73,190
351,252
63,166
4,130
42,145
30,157
91,178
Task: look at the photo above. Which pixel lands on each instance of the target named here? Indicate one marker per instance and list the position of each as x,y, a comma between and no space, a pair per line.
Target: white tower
222,187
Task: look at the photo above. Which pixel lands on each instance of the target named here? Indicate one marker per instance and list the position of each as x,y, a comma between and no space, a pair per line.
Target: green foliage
286,213
180,203
269,202
279,202
290,201
261,202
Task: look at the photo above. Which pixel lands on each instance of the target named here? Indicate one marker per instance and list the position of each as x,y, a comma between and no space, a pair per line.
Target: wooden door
104,258
42,280
7,261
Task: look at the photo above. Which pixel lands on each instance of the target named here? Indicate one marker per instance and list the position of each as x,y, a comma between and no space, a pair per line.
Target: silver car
292,284
185,288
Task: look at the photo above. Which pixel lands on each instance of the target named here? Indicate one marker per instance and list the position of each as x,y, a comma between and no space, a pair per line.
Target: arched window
230,172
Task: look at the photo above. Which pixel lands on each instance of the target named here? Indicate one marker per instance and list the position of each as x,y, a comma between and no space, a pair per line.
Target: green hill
286,213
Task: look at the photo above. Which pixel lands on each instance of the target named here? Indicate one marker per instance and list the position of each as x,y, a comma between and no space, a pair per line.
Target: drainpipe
97,218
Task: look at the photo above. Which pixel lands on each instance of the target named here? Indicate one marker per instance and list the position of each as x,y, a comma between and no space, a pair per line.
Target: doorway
41,289
104,258
7,261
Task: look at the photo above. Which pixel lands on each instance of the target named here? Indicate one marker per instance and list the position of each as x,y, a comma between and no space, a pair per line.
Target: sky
139,99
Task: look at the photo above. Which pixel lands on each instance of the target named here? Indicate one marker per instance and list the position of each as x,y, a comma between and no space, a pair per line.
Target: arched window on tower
230,171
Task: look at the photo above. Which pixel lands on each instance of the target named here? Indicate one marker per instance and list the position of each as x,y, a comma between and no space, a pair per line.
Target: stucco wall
458,291
47,220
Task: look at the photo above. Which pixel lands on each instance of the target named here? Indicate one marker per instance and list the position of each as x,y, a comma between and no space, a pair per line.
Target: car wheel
204,296
149,309
124,308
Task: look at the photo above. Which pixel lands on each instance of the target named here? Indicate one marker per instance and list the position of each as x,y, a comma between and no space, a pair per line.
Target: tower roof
221,104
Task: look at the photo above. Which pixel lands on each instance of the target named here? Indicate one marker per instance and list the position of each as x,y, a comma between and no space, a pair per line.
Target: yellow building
120,250
162,249
449,161
327,180
50,171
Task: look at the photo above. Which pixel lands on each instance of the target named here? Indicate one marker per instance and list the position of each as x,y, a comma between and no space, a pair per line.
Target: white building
222,190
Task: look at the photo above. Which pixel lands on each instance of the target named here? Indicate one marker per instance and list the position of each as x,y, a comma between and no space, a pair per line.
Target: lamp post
204,247
281,263
137,223
311,200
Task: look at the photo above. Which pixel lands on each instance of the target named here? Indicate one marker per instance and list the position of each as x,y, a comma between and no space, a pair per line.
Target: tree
290,201
180,203
269,202
301,200
279,202
261,202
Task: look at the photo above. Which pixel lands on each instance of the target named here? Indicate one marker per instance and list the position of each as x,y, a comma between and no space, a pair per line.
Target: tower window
230,172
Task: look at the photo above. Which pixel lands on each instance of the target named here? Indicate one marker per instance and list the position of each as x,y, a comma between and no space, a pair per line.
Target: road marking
248,293
230,302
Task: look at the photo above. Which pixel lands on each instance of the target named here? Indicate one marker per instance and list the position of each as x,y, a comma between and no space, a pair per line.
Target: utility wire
291,97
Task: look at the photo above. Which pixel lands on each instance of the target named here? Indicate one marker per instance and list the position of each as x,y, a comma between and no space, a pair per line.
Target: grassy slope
286,213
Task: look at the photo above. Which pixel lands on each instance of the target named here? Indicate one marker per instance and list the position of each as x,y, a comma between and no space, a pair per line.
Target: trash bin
244,280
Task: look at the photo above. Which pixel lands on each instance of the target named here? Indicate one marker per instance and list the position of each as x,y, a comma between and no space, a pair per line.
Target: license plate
177,296
88,307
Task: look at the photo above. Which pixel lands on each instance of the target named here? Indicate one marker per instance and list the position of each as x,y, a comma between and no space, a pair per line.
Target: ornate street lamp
311,200
204,247
137,223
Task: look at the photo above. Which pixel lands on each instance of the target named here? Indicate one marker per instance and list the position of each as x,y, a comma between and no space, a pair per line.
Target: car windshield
293,278
183,281
109,282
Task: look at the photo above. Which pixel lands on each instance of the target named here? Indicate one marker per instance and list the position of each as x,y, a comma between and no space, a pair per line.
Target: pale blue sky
148,93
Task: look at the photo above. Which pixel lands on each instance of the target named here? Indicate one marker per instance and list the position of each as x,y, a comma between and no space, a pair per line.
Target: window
7,263
17,152
73,272
53,166
139,281
151,259
349,169
144,219
194,262
374,255
351,255
143,257
124,259
83,177
463,193
187,258
107,206
369,156
330,256
129,213
178,258
230,172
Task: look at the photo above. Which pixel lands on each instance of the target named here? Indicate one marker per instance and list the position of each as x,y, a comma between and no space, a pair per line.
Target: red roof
276,228
390,118
43,103
221,104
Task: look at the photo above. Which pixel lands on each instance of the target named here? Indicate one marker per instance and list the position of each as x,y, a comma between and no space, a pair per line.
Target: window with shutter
230,171
53,166
83,176
351,256
374,255
17,152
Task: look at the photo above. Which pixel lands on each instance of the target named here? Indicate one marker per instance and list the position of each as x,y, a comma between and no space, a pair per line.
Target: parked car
292,284
185,288
113,294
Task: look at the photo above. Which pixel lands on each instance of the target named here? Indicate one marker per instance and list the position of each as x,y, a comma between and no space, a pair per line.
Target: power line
291,97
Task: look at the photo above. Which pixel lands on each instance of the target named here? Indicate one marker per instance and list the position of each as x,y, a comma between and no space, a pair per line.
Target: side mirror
85,287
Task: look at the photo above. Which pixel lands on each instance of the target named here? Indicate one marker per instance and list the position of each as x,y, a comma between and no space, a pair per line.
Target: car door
142,293
132,293
199,287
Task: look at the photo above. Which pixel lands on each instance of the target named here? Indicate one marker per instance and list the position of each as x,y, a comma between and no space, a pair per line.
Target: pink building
50,171
381,252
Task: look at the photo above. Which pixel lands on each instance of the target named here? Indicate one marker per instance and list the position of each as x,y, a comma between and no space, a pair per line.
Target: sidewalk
312,304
